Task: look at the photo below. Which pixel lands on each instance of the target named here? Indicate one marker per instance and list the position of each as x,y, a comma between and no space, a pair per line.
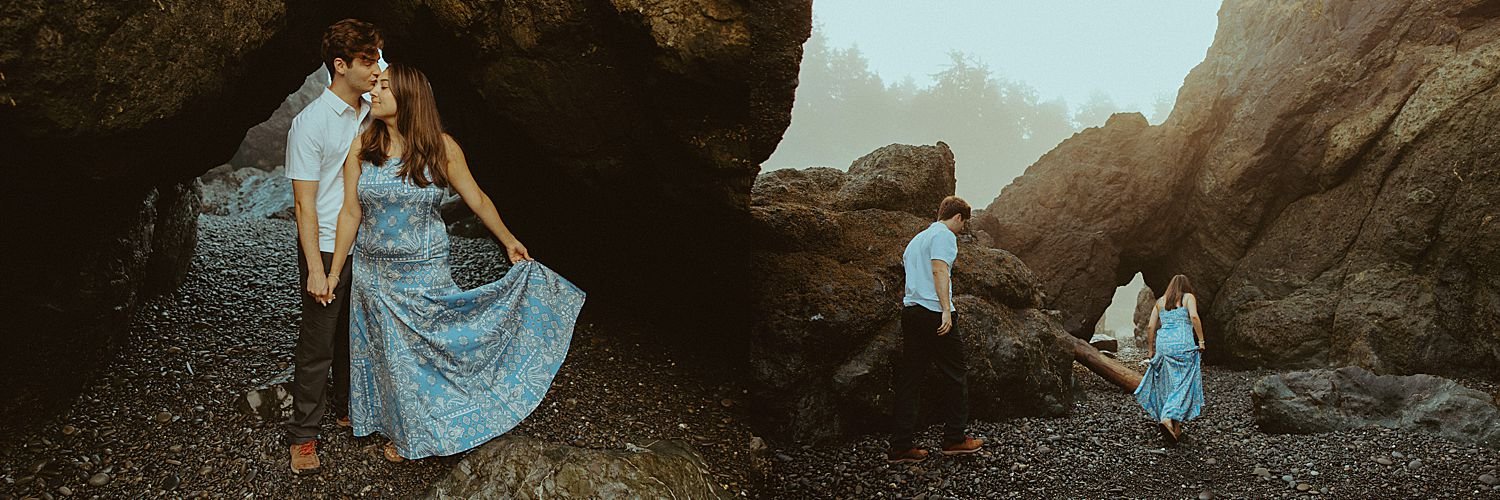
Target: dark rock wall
616,137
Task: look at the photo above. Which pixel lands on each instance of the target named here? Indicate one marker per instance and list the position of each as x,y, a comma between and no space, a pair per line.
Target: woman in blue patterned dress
1171,391
435,368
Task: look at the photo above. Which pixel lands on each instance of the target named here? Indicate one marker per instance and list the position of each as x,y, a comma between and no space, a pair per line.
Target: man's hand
317,286
947,323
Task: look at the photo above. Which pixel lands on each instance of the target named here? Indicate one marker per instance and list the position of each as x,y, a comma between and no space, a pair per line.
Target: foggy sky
1132,50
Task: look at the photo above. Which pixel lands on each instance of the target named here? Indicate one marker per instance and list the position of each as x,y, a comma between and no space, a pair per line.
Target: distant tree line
996,127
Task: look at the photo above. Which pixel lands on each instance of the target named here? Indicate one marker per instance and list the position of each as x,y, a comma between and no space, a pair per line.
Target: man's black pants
923,347
322,347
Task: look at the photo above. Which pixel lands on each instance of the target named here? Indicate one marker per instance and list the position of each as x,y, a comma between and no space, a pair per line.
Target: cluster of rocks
246,191
827,296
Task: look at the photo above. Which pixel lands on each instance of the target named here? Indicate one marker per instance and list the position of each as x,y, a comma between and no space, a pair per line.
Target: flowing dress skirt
1172,387
437,369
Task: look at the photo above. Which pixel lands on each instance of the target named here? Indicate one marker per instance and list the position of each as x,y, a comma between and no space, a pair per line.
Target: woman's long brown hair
1175,290
425,160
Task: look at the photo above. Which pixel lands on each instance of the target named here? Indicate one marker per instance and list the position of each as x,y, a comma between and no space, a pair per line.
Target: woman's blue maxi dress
434,368
1172,387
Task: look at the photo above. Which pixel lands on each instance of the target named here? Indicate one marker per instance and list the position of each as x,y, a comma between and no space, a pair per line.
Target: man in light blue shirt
928,338
316,146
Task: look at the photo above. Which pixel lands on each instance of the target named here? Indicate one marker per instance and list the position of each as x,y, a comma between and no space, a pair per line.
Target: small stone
64,491
99,479
1262,472
1383,461
1414,465
1397,454
1206,495
1211,461
69,430
1043,449
1288,478
176,448
726,402
1303,486
171,482
163,417
1489,479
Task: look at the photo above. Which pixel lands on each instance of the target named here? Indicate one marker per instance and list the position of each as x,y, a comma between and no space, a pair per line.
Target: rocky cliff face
610,133
264,146
1327,180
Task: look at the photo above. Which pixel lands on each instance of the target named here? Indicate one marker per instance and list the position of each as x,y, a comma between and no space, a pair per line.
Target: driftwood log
1107,367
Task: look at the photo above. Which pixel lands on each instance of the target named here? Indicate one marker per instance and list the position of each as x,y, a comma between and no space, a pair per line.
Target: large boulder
827,297
614,136
1323,400
898,178
524,468
1325,179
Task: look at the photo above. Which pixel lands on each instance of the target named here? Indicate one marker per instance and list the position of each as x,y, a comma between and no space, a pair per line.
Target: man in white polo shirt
316,147
929,338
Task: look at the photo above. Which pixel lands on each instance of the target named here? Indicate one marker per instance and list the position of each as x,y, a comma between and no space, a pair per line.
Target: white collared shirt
316,147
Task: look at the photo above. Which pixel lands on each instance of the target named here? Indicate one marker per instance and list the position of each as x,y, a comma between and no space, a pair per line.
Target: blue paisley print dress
435,368
1172,387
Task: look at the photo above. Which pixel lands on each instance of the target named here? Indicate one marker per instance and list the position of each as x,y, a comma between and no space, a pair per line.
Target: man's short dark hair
953,205
349,39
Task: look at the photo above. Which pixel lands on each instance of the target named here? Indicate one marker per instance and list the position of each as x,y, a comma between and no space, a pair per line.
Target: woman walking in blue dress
1171,391
435,368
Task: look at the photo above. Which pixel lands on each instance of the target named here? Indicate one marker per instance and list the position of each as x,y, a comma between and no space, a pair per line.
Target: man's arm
302,168
940,279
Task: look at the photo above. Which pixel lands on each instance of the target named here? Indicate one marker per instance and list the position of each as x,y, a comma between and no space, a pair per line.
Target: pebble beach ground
163,422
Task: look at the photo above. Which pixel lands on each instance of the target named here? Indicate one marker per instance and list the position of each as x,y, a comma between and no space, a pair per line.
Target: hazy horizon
1131,50
1079,60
